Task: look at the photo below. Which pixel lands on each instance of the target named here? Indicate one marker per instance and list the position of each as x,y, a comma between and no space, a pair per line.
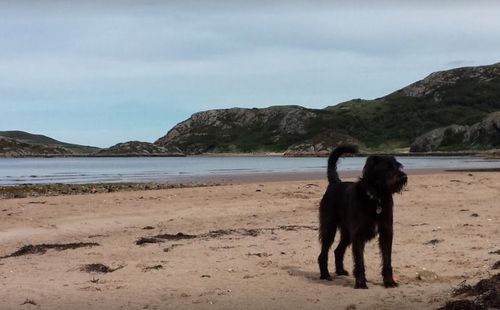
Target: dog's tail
333,177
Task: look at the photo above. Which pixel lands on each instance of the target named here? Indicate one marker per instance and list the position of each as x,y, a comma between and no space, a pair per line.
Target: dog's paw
326,277
360,285
342,272
390,283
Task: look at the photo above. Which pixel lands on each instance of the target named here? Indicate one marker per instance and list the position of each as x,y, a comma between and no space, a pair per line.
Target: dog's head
384,173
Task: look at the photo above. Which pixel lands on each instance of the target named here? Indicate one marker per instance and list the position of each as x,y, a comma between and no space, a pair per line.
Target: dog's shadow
313,277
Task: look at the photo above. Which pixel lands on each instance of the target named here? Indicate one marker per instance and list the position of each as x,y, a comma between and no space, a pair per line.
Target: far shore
494,154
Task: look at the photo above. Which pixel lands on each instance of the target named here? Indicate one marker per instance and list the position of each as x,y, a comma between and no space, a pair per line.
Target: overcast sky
98,74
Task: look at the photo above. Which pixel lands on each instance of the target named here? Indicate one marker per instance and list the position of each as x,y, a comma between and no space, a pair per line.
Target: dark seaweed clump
213,234
98,268
42,248
155,267
164,237
486,295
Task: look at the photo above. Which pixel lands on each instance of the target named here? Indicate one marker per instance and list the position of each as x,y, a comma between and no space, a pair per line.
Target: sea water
168,169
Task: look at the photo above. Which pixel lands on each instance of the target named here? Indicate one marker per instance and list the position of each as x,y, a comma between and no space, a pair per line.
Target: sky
103,72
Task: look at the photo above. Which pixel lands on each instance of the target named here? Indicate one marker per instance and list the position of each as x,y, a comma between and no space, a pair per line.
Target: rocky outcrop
238,129
308,149
486,133
433,140
321,145
440,79
15,148
480,136
137,148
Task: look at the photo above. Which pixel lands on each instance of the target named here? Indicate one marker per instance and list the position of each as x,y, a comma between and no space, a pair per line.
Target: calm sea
171,169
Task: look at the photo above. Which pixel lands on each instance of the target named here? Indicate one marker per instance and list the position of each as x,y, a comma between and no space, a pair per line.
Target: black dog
359,210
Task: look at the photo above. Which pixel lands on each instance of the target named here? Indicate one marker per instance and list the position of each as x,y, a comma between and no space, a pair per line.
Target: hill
16,148
462,96
240,130
20,143
138,148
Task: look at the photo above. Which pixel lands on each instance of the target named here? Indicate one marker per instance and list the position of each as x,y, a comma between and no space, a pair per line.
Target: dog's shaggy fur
359,210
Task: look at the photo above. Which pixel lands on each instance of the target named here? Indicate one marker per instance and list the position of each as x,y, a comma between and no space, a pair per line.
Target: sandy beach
246,245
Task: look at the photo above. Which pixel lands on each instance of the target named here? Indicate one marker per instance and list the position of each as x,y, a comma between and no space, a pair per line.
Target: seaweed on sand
99,268
486,293
42,248
164,237
213,234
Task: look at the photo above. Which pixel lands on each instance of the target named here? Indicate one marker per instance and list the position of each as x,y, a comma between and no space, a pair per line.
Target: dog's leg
340,252
327,232
385,243
358,248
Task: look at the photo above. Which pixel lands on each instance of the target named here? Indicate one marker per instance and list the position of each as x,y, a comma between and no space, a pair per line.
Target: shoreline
488,153
63,189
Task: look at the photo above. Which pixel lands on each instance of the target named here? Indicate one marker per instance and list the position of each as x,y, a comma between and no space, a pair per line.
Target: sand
251,245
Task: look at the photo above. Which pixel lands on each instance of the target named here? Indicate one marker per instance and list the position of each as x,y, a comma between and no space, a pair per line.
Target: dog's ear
372,167
388,161
371,161
373,158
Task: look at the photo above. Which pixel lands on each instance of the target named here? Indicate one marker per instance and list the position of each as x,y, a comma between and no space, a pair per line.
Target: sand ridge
254,247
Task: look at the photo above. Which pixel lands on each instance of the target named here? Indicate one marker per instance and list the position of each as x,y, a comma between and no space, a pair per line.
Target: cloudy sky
98,74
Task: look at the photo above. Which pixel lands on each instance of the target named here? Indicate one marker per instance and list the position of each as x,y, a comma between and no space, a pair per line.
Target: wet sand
248,244
57,189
